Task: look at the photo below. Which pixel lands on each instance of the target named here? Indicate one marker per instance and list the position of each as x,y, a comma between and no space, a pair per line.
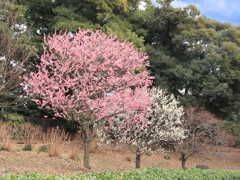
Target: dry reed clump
26,132
75,145
31,134
55,138
6,142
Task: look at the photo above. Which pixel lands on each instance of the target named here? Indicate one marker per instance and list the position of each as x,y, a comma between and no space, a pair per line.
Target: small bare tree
14,52
203,129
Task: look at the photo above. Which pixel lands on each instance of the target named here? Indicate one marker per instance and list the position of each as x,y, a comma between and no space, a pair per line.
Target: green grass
142,174
13,117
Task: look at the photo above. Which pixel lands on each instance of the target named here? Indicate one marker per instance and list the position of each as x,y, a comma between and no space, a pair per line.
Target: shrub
203,129
13,117
28,147
233,128
43,148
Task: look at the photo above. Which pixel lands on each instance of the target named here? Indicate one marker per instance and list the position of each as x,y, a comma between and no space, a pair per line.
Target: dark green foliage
12,117
43,148
31,109
122,29
233,128
71,127
142,174
28,147
48,16
196,58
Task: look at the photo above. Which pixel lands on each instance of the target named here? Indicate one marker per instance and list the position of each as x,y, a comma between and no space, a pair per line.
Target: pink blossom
76,76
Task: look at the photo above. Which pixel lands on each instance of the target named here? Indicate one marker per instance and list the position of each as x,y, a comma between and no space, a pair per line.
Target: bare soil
18,161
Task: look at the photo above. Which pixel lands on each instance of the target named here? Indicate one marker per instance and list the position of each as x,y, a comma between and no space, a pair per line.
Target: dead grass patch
55,138
6,142
76,145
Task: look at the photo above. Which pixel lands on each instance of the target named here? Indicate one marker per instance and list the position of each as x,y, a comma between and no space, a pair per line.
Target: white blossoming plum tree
163,123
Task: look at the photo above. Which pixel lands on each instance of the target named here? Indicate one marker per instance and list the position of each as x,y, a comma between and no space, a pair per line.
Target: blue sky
220,10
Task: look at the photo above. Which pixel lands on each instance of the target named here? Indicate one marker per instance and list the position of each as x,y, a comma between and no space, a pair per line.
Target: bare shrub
15,130
6,141
203,130
15,53
55,138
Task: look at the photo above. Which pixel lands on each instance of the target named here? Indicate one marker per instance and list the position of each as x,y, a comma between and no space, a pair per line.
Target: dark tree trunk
86,163
183,160
138,158
86,143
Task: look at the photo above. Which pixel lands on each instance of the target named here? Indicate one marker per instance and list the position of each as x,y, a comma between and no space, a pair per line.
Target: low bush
43,148
233,128
28,147
140,174
13,117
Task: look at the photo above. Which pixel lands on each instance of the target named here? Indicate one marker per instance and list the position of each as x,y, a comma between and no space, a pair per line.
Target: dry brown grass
76,145
55,138
31,134
6,142
26,133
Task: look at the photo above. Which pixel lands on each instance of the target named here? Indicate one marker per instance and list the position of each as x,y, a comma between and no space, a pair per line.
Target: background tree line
194,57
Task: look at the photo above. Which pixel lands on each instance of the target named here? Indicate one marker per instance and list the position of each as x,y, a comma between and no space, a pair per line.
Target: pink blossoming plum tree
163,124
90,77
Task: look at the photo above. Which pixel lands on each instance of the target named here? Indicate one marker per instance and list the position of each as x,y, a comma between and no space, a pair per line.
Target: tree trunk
138,158
86,155
183,160
86,143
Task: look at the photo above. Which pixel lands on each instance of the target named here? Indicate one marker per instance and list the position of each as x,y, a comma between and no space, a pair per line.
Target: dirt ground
18,161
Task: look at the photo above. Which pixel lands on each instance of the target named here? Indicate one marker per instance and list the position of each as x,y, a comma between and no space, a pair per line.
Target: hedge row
142,174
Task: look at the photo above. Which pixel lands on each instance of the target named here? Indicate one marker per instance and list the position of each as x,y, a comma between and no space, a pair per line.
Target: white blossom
163,124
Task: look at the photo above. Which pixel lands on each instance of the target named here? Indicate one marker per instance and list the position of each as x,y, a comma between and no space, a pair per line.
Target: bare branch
14,54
